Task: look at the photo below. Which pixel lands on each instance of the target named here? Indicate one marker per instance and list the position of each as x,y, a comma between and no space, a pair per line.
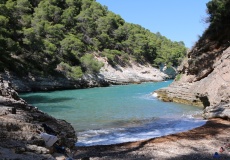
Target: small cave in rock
205,101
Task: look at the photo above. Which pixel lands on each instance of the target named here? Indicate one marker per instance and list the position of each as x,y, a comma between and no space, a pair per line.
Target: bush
116,57
178,77
73,72
111,58
90,64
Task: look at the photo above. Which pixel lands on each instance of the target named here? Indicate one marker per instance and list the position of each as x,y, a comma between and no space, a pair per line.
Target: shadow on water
135,150
144,129
44,99
131,123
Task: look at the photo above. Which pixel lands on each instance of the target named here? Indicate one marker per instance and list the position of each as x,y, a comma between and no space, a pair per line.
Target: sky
178,20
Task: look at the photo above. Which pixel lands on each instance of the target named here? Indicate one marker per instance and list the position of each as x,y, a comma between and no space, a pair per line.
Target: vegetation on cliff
219,24
46,36
212,43
204,75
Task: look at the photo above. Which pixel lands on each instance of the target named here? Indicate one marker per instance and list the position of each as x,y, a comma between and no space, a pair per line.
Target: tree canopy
42,35
219,19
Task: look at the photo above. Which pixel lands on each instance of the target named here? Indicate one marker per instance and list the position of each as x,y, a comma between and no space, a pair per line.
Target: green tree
218,11
89,64
40,35
71,46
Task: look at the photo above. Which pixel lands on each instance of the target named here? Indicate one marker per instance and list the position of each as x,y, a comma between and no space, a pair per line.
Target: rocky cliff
31,83
20,123
204,79
134,73
204,75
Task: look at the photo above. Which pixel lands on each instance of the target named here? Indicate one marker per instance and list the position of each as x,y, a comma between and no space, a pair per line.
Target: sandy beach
200,143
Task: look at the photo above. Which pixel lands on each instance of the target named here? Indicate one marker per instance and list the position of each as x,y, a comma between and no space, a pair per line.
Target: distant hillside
53,37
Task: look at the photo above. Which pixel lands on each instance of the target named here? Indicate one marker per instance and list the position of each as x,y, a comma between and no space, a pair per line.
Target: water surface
116,114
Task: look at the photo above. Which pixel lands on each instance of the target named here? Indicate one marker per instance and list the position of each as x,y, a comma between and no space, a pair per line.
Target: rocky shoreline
20,123
20,140
117,75
200,143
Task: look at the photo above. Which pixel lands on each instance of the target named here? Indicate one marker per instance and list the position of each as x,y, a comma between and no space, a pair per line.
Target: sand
200,144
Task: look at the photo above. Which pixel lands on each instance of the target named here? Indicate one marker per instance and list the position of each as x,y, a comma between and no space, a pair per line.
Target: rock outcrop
204,75
36,83
170,71
204,80
19,123
134,73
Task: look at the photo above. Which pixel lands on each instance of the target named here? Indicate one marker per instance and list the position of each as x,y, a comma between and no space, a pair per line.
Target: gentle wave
147,97
154,94
146,131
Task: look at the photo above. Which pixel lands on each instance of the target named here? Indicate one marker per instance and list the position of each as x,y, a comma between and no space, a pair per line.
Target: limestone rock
135,73
208,87
18,133
170,71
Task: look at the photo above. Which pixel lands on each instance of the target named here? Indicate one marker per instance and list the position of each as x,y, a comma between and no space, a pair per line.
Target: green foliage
111,55
73,72
40,35
219,11
71,44
90,64
178,77
170,53
219,24
219,15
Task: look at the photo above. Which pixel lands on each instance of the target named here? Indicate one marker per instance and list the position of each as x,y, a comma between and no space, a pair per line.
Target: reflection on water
44,99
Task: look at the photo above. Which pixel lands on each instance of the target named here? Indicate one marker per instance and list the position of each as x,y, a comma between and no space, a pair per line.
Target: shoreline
198,143
141,133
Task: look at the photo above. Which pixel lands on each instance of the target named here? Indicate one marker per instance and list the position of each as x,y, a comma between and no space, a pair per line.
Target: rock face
36,83
204,80
135,73
170,71
19,123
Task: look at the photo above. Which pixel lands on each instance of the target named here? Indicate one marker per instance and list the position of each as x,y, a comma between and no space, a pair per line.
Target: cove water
117,114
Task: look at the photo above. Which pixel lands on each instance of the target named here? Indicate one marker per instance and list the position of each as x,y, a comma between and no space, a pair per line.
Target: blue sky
178,20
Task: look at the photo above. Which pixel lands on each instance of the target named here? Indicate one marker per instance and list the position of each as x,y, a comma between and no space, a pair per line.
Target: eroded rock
18,134
208,88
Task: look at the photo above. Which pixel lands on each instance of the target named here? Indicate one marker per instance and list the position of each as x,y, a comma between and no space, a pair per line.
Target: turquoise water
116,114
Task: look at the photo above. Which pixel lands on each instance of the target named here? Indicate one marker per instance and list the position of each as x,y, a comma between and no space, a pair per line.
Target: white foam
154,94
146,97
147,131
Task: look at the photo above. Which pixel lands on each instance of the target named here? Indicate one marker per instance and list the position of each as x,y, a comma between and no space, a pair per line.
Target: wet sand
200,143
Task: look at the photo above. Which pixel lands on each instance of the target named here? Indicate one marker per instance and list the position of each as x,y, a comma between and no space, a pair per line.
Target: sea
118,113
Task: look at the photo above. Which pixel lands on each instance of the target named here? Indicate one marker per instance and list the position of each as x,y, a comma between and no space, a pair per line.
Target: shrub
73,72
90,64
178,77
